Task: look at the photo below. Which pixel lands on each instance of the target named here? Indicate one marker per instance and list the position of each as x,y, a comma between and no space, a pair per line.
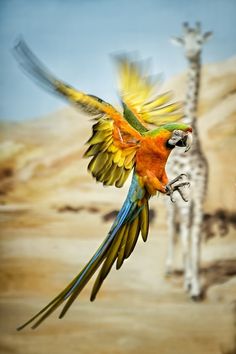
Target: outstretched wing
138,91
114,141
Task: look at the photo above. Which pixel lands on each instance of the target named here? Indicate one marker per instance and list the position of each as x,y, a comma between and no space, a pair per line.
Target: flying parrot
121,143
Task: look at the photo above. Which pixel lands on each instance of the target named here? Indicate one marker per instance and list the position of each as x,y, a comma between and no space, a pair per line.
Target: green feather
108,263
144,218
133,236
132,120
121,252
92,150
99,137
123,178
97,163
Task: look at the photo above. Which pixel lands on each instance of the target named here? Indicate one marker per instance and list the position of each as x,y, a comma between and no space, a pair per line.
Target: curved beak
189,140
184,139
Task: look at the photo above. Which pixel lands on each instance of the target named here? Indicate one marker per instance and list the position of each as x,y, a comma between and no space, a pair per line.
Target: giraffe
194,163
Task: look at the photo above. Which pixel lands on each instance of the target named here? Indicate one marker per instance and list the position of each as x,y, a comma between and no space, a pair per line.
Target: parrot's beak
181,139
189,140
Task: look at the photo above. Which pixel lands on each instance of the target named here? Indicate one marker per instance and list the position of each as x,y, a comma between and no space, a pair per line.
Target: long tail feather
133,237
118,245
107,265
121,253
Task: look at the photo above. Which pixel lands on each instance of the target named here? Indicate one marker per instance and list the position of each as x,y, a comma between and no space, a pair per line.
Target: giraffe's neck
191,101
193,82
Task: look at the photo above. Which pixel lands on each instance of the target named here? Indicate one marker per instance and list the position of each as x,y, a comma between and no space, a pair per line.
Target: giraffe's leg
171,238
196,231
185,215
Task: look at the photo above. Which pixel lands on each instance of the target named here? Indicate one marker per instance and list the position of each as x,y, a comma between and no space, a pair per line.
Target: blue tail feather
129,210
126,212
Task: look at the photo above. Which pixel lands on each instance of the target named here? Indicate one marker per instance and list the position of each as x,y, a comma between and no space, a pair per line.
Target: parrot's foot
172,186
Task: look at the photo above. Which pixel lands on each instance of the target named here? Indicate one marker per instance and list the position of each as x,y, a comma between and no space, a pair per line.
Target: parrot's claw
178,178
181,193
170,192
171,187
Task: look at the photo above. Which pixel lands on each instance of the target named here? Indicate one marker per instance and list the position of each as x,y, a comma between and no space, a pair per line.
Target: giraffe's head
192,40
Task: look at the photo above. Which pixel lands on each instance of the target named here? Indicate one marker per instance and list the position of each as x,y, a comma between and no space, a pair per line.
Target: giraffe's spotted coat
194,164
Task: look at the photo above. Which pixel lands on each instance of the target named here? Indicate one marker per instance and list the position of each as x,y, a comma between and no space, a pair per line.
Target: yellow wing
139,92
113,152
114,141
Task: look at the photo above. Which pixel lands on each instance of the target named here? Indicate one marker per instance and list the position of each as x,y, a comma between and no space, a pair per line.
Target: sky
76,38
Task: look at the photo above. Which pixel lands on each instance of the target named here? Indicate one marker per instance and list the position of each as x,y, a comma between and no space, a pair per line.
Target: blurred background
54,215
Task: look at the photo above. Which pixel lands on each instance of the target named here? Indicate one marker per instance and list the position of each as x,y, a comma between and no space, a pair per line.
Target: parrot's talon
176,179
170,191
181,184
171,187
182,195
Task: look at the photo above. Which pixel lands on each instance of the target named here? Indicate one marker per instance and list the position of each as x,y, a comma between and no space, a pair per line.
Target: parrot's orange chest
152,156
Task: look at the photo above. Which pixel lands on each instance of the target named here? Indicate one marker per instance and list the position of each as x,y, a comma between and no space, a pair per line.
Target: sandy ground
137,311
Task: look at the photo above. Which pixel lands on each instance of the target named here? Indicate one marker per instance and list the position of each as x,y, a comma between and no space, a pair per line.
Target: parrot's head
181,135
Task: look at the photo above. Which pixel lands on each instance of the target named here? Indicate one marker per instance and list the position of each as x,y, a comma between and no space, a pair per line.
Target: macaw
120,143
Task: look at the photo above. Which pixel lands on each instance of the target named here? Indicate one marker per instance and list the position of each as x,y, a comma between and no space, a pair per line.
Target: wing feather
139,92
113,153
114,141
